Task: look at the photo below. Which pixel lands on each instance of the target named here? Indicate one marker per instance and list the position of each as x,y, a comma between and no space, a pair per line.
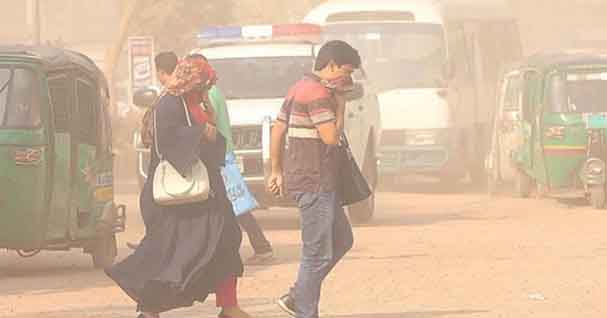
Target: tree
173,23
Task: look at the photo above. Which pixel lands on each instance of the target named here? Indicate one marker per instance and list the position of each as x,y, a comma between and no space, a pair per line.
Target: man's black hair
166,62
339,52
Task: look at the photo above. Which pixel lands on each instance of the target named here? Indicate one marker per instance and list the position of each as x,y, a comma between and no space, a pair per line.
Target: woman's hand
209,133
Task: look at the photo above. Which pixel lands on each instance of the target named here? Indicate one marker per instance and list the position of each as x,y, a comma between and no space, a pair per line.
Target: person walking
263,252
217,116
258,240
312,118
192,250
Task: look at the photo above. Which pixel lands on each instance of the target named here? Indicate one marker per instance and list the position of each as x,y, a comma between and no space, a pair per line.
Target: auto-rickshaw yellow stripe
557,147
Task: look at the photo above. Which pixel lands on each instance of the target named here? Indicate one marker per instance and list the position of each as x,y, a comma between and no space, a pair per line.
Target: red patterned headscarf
192,78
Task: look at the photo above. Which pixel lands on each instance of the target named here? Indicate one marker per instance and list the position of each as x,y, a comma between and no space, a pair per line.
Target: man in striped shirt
312,117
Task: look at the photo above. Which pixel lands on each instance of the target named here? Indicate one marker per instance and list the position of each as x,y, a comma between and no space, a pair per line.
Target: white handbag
170,187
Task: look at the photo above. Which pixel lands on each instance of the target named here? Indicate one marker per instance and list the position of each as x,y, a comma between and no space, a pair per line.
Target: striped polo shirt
310,165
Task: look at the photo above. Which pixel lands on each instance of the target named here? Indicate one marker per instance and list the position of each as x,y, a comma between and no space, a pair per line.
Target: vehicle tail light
296,29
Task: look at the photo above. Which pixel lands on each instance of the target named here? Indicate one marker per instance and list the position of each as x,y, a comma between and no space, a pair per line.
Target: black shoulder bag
352,185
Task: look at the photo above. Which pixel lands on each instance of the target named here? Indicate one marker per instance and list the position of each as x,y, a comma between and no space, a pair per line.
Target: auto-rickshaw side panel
24,158
564,141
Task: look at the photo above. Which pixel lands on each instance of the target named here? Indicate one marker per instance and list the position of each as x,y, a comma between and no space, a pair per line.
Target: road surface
428,254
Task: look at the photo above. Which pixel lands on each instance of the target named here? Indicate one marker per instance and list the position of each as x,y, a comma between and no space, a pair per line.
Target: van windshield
261,77
396,55
19,98
579,92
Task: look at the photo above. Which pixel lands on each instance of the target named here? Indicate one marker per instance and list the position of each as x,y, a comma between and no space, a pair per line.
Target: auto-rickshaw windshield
19,98
578,92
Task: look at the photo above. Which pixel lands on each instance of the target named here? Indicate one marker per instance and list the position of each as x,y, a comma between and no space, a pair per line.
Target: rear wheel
598,198
363,212
104,251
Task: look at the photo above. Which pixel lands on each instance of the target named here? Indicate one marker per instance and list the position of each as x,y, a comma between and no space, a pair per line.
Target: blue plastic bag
238,192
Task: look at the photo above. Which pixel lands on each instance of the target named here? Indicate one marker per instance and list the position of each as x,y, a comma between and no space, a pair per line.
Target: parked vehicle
551,126
433,65
56,160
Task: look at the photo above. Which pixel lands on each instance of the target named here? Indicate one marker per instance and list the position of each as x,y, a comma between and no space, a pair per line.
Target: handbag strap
188,119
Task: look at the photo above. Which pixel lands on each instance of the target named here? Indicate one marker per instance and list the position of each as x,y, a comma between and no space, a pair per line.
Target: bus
434,66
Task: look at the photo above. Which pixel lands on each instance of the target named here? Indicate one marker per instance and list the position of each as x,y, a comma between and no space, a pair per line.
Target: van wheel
597,197
104,251
363,212
523,184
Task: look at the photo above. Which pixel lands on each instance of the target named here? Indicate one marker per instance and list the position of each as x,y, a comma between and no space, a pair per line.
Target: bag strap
187,117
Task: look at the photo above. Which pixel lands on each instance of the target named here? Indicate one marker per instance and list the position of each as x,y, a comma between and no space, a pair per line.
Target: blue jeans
327,237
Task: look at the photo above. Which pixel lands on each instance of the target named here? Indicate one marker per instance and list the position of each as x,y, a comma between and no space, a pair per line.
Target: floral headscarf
190,73
191,79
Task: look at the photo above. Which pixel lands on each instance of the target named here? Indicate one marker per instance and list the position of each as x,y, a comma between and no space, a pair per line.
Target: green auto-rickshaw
56,161
550,128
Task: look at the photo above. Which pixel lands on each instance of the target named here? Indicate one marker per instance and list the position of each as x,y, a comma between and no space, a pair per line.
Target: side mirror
357,92
145,97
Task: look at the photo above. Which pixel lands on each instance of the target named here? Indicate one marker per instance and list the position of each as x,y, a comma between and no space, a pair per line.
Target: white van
256,65
434,66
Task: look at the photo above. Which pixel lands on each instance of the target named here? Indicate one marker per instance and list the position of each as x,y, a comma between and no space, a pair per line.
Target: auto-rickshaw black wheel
523,184
598,197
104,251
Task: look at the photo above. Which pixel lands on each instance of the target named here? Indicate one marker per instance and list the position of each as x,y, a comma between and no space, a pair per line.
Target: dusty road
427,255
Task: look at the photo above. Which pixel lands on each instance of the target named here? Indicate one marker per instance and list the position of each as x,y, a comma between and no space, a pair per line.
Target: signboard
141,63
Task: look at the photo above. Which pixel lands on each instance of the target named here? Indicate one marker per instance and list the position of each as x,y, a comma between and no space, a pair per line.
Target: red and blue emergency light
295,32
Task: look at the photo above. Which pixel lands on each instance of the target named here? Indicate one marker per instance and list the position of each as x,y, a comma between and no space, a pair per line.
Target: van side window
513,94
87,101
61,99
